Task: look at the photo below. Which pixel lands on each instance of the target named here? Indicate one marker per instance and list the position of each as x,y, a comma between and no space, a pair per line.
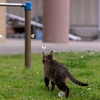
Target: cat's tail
74,80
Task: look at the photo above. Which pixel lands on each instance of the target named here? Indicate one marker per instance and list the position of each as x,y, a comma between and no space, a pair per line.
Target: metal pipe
12,4
27,38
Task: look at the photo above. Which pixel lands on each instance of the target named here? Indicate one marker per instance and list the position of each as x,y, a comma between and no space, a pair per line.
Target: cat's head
48,57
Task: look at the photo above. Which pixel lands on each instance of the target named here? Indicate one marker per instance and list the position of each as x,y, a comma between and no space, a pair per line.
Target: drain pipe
99,19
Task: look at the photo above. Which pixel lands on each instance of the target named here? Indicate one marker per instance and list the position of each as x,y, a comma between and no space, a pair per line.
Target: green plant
18,83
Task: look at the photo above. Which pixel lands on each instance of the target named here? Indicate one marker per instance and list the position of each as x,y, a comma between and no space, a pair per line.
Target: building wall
84,12
2,21
36,8
84,17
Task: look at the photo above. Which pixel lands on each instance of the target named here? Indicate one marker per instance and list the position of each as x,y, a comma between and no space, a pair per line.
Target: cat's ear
51,53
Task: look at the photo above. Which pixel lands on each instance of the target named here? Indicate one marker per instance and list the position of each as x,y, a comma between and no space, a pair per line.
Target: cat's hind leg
63,87
46,80
52,86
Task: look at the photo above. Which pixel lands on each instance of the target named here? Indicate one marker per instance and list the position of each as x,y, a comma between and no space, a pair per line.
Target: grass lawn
18,83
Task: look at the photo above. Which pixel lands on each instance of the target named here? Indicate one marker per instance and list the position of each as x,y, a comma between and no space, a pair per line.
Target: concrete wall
37,8
2,21
84,18
84,12
86,32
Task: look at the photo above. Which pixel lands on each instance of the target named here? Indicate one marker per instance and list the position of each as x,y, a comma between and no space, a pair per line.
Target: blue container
39,34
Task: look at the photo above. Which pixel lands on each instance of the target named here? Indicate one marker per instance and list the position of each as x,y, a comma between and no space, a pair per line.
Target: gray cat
57,73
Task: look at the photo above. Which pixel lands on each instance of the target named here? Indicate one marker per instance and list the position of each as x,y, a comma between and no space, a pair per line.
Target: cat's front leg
46,80
52,86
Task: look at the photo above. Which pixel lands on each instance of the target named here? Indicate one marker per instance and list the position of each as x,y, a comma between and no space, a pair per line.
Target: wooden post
28,34
3,21
27,38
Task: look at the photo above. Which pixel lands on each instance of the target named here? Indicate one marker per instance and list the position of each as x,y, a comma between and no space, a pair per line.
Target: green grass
18,83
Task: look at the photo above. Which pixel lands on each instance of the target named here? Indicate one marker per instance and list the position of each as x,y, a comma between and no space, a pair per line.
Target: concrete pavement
16,46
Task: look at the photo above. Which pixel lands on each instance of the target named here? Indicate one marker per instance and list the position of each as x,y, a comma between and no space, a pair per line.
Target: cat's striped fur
57,73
